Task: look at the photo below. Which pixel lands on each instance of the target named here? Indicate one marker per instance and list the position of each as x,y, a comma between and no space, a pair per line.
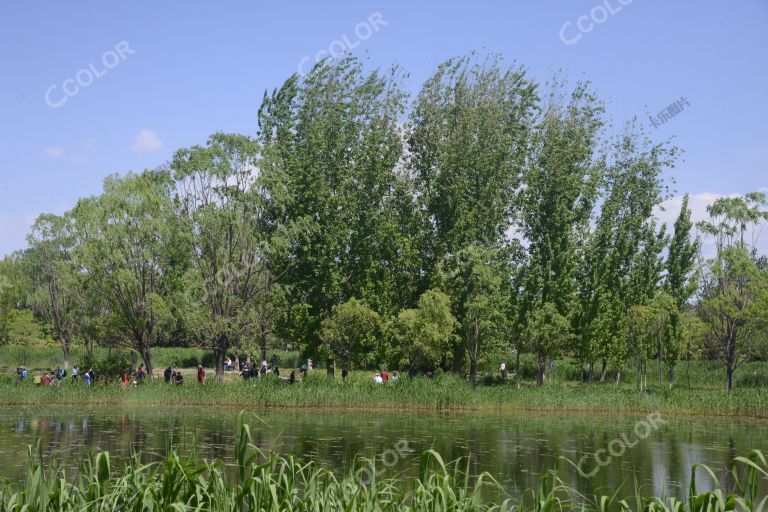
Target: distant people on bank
200,374
384,375
87,378
227,363
167,374
75,373
377,379
273,362
140,374
310,364
344,373
503,370
292,376
303,370
263,369
395,376
178,379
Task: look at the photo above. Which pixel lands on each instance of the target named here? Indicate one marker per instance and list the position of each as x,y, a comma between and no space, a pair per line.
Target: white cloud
147,140
58,153
54,152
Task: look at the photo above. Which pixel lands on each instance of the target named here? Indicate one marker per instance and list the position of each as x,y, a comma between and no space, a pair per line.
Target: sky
92,88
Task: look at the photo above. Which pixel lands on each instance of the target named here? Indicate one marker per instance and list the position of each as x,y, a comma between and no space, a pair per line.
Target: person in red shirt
384,375
200,374
46,379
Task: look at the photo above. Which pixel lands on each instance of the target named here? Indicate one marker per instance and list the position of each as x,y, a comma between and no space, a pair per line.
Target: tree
123,247
58,287
547,332
735,306
331,142
424,336
680,282
735,292
220,205
352,334
475,276
562,180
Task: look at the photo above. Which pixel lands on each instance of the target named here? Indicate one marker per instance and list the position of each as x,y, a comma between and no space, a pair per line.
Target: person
309,364
140,373
395,376
344,373
303,371
330,370
263,367
75,371
384,375
87,378
125,379
273,362
92,374
503,370
377,379
179,379
200,374
46,379
227,363
292,376
167,374
276,371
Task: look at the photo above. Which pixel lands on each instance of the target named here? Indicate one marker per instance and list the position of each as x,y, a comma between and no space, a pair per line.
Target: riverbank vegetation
444,392
488,217
265,481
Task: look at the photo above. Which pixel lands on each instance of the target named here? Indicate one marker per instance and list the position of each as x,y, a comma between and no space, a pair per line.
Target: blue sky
167,74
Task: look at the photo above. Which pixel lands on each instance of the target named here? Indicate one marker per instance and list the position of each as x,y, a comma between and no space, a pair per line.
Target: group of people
383,377
252,371
172,375
55,376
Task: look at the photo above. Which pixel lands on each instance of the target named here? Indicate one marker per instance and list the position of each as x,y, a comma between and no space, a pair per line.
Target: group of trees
488,213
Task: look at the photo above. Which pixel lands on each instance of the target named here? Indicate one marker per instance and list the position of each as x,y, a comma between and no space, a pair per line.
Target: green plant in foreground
262,481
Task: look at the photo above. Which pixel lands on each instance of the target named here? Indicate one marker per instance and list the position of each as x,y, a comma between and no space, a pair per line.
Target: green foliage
352,335
424,337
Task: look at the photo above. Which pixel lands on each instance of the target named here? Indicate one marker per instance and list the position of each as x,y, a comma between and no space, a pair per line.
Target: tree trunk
473,371
591,373
671,376
89,349
729,373
65,351
146,355
219,353
603,370
618,377
542,360
263,341
517,370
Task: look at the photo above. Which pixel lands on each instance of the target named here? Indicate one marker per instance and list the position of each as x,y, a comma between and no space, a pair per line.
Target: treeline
488,214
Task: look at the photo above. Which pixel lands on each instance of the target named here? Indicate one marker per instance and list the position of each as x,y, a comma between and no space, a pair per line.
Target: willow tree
221,207
332,141
124,250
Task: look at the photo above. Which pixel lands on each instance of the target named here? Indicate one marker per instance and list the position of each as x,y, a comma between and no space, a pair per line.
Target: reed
270,482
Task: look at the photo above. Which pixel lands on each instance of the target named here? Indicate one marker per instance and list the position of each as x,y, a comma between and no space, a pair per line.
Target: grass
269,482
444,392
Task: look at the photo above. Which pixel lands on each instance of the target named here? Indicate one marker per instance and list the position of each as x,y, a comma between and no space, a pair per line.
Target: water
515,448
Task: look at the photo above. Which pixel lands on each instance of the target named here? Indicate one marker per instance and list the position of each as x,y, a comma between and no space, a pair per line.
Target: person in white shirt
377,379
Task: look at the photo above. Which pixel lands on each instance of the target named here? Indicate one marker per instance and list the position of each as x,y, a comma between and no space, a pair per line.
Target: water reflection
517,449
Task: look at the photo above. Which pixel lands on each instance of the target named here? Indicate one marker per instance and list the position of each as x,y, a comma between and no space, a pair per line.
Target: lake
516,448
